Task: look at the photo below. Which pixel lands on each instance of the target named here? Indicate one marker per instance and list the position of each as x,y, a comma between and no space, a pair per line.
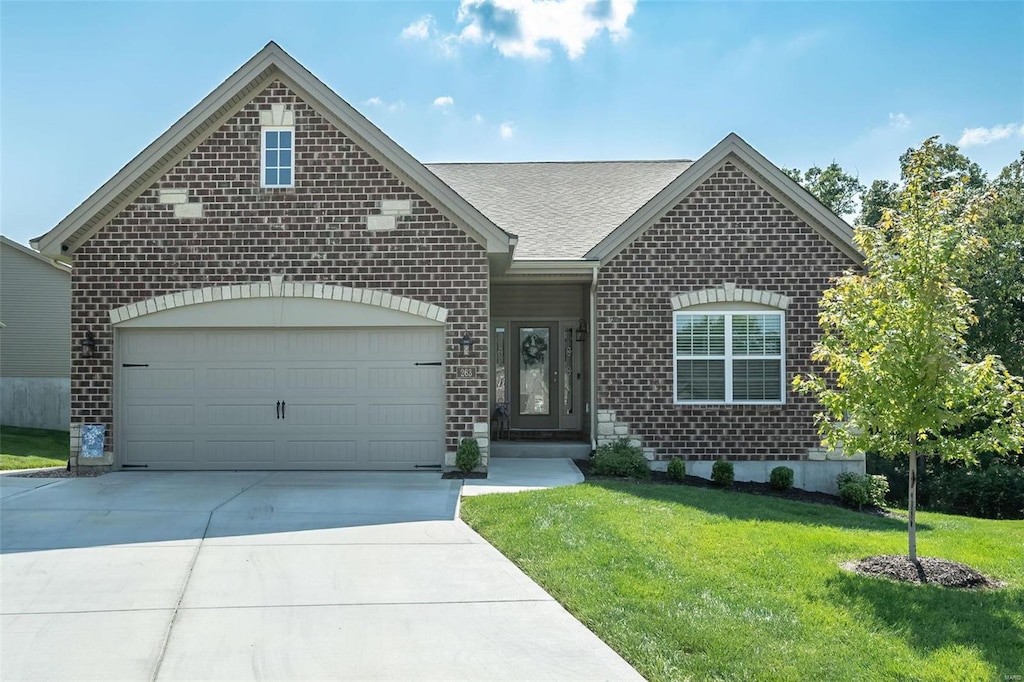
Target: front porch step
540,449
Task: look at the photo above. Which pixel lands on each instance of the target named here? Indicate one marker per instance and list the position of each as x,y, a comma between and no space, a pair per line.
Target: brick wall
729,229
315,232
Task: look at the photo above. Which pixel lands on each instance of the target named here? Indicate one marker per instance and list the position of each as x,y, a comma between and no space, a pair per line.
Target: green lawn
690,583
32,448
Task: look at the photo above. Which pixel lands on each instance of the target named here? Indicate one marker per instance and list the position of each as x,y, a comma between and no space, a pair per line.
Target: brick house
276,284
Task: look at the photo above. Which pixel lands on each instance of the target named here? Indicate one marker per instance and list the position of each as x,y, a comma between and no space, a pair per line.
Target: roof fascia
545,269
788,191
57,265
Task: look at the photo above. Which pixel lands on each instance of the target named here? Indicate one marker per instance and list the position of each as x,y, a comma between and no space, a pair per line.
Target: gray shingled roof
559,210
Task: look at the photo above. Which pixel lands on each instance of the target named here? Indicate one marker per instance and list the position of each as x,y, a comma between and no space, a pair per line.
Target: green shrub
620,458
781,478
723,474
993,493
467,457
677,470
857,490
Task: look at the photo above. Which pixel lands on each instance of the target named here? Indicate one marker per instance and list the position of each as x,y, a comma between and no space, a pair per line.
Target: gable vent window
278,162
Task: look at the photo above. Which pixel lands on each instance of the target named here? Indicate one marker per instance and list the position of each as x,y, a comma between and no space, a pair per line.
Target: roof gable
188,132
780,185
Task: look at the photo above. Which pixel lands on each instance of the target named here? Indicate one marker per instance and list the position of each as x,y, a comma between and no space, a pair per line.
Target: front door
534,375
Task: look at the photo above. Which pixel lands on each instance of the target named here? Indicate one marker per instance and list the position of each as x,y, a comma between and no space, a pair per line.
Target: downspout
593,359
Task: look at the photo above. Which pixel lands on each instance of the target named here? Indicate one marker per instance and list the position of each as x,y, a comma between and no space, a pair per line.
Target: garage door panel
242,344
315,345
409,415
160,381
223,415
355,398
160,452
332,416
241,379
397,451
142,416
403,378
318,453
235,452
322,378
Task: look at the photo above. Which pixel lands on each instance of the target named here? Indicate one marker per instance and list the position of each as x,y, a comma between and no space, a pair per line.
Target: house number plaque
466,372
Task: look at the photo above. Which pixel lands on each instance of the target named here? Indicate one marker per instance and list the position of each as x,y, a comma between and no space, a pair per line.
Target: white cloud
507,130
522,28
477,118
419,29
899,121
980,136
444,102
377,102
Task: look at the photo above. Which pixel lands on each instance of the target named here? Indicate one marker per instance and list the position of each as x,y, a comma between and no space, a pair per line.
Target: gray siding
35,308
538,301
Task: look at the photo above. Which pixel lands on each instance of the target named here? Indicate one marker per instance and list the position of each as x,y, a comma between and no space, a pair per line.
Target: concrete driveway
301,576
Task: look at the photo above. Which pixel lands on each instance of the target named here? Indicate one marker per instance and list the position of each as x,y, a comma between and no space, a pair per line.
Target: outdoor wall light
581,330
89,345
466,343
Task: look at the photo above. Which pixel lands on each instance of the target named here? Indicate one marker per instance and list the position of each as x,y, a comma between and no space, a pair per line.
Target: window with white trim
730,357
277,162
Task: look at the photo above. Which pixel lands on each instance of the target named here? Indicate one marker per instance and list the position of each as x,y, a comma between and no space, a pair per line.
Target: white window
729,357
277,163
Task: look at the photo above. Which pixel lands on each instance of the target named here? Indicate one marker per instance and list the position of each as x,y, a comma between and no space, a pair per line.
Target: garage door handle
428,364
277,411
282,409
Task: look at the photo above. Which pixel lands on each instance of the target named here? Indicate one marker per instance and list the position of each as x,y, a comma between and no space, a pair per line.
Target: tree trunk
912,509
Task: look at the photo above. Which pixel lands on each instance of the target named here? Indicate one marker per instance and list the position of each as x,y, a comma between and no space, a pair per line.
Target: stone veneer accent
728,229
728,293
314,233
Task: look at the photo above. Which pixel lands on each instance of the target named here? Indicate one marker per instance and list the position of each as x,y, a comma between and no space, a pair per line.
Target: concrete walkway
513,475
189,576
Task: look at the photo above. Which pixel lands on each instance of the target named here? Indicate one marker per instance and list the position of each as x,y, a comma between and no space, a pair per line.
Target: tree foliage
996,277
952,167
899,379
832,186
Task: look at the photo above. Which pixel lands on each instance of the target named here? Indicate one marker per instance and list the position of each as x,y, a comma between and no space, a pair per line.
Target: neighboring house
35,339
275,284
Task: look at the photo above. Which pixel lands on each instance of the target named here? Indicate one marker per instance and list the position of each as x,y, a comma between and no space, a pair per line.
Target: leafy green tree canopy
899,380
832,186
996,277
951,167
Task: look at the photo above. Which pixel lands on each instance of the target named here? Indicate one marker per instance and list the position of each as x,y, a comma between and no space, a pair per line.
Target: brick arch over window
279,289
729,293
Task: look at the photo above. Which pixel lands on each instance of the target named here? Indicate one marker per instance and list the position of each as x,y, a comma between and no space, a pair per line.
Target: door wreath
533,350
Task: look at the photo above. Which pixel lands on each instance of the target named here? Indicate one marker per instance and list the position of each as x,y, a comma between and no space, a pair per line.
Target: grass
32,448
690,583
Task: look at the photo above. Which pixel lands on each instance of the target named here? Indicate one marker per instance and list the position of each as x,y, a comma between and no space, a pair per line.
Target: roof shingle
559,210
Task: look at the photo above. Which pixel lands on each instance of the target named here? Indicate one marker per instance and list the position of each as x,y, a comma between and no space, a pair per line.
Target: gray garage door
281,399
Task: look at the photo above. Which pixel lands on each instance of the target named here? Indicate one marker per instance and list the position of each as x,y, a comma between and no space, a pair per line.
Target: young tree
899,381
832,186
952,166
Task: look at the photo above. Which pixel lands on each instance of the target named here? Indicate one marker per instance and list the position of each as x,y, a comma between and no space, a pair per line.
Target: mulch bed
749,487
931,571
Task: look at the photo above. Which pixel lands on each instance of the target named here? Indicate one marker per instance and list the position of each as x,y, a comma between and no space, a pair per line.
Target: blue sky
85,86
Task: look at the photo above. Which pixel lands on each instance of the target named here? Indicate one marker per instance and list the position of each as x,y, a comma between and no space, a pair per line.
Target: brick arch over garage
279,289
